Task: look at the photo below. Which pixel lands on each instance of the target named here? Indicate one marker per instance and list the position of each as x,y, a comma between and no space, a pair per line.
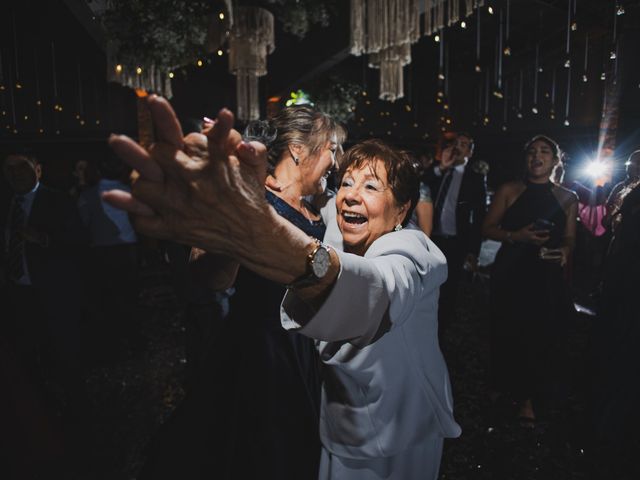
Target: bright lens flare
596,169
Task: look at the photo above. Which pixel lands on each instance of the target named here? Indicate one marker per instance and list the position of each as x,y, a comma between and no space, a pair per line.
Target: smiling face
540,159
366,206
315,167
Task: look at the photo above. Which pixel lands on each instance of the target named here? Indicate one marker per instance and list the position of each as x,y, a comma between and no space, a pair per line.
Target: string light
490,10
436,38
118,68
221,16
199,63
463,24
220,52
139,70
171,75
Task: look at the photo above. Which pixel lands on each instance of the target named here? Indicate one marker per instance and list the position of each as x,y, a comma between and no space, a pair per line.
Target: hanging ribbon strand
567,62
428,17
16,71
585,77
37,88
498,92
568,99
507,28
478,38
520,91
536,72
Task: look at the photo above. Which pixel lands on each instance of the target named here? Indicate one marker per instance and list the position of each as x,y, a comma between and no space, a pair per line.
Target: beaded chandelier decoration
251,40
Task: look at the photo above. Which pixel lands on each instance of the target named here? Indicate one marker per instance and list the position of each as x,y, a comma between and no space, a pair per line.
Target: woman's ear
402,213
296,150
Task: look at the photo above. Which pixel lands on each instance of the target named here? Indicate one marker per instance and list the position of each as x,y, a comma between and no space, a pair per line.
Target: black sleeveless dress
254,411
529,303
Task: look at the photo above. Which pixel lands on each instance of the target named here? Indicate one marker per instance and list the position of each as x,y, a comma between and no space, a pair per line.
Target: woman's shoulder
564,194
511,189
408,242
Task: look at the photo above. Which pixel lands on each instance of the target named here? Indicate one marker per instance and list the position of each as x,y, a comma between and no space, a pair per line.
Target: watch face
321,262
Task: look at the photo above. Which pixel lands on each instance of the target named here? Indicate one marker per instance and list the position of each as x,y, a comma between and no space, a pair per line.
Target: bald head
22,173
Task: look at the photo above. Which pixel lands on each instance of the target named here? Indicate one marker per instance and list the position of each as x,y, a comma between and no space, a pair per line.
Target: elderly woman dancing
368,294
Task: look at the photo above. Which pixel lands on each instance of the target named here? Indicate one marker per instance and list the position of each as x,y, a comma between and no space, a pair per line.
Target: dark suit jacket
471,207
55,214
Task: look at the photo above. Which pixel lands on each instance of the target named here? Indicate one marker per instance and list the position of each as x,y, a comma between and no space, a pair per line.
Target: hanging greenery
164,33
338,98
297,16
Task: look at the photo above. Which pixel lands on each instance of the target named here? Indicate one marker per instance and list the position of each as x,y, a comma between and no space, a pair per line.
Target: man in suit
41,239
460,200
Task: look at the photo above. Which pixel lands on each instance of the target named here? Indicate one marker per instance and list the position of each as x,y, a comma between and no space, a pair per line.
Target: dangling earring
398,227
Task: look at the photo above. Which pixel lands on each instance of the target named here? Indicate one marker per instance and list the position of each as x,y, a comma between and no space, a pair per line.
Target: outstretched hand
202,190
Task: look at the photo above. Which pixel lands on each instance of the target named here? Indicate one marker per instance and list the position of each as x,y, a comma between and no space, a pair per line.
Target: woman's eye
371,186
346,183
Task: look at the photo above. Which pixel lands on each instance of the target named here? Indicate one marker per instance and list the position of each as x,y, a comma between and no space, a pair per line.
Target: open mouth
354,218
536,164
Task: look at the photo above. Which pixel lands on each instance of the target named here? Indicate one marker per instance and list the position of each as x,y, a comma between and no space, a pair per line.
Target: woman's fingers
126,201
136,157
165,121
218,135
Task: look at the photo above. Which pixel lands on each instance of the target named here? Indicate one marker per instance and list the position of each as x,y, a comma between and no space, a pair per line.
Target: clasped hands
203,190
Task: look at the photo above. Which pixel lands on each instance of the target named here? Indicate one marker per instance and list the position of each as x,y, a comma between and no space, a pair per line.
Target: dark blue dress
253,411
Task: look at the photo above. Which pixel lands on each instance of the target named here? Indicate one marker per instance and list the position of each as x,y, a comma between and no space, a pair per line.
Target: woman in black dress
535,220
253,411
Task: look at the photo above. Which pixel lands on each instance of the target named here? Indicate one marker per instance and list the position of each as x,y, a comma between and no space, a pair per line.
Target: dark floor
135,388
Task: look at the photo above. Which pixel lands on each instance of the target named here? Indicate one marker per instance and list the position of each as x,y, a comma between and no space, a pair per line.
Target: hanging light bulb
436,38
519,115
221,16
138,70
566,122
441,76
485,120
171,75
574,26
463,24
199,63
534,110
490,10
220,53
567,63
620,10
507,51
612,55
504,128
478,69
585,79
603,76
552,114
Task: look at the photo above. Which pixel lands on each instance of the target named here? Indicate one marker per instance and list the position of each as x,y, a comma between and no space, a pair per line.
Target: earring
398,227
296,160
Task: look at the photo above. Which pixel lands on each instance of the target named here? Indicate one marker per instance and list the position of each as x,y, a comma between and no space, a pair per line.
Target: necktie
442,196
15,257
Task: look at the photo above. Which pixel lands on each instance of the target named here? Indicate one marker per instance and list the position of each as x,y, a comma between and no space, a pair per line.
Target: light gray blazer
386,386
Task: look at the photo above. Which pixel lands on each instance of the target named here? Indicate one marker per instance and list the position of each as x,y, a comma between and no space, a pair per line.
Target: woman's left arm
569,237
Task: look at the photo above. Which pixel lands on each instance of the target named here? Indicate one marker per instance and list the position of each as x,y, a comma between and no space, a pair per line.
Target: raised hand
447,159
202,190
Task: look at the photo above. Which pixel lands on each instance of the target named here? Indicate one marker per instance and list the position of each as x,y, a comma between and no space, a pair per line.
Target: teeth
354,217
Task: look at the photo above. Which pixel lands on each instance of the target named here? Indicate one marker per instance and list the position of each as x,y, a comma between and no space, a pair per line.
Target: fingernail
207,119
